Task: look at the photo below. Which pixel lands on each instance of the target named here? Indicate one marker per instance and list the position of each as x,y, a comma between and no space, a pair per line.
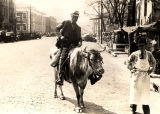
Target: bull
83,65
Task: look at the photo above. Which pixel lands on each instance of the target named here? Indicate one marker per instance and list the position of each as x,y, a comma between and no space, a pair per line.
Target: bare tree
97,11
116,10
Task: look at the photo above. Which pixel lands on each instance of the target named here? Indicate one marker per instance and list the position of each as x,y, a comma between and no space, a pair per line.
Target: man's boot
59,80
64,54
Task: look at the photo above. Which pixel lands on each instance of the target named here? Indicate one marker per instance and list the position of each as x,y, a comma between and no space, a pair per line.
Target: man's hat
75,13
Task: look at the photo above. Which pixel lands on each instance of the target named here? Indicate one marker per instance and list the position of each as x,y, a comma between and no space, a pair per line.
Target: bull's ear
85,49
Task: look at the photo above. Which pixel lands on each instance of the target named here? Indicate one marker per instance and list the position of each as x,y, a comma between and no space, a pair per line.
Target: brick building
144,12
7,15
30,20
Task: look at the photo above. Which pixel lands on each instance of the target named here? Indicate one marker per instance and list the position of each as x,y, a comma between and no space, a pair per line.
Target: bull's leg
55,85
77,108
55,91
81,98
82,87
61,95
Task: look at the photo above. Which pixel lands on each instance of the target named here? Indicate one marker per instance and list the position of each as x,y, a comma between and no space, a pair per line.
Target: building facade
147,11
7,15
131,21
30,20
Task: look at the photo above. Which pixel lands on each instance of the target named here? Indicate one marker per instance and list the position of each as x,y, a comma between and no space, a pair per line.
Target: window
4,12
18,27
24,15
19,14
1,13
0,3
18,19
24,27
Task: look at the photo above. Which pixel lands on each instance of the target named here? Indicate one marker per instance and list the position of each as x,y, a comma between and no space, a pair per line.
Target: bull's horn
102,49
85,49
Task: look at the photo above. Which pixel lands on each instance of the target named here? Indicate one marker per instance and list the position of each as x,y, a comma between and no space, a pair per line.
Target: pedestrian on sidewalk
141,63
70,37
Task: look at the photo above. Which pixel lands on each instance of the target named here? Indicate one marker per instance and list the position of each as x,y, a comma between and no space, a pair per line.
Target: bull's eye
100,61
92,60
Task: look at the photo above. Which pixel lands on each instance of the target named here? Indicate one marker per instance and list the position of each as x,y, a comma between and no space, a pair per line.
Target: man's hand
79,44
133,70
150,70
62,37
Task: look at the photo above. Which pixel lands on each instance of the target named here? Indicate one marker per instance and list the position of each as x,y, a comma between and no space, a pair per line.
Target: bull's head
95,61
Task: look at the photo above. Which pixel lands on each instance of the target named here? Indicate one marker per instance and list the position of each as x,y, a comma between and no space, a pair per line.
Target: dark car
89,38
23,36
35,36
2,35
9,37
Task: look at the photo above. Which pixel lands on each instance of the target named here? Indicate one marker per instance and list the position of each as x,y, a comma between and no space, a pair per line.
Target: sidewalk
155,78
112,52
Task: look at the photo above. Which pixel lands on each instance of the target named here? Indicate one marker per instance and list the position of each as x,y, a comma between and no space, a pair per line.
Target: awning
116,31
155,26
130,30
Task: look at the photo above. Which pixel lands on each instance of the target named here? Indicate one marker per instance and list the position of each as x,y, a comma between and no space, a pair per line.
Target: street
27,84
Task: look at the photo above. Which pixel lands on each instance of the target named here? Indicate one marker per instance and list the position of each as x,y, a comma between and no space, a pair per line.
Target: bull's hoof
83,106
78,109
62,97
55,96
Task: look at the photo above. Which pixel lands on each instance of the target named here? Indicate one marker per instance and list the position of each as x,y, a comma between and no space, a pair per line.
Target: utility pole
21,21
101,22
30,19
99,31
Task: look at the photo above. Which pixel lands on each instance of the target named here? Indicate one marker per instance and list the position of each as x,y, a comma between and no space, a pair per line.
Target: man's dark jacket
72,35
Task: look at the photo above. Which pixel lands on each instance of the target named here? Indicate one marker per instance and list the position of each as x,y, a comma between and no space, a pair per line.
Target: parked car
35,36
53,34
9,37
88,37
2,35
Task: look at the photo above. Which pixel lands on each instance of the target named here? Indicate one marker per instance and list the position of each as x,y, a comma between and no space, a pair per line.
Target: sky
60,9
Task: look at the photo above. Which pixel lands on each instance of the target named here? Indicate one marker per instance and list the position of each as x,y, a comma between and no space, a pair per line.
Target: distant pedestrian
141,64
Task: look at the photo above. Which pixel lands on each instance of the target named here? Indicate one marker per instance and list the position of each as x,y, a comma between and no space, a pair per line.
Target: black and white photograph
79,56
